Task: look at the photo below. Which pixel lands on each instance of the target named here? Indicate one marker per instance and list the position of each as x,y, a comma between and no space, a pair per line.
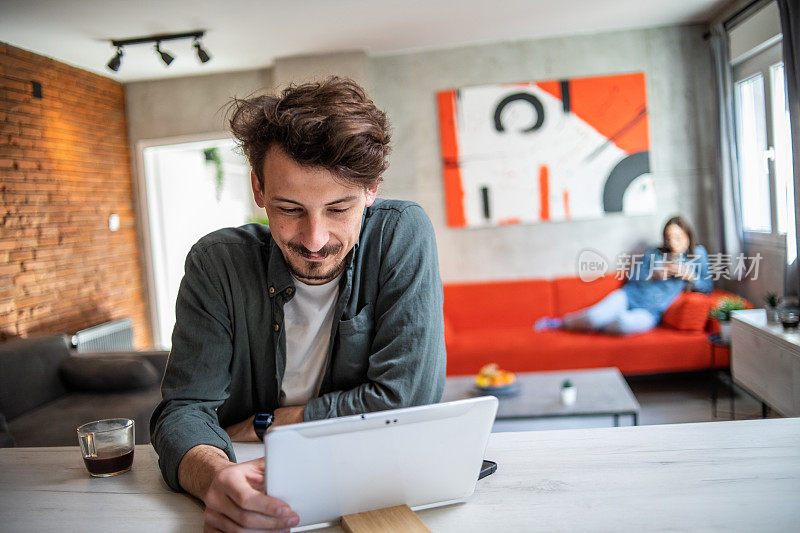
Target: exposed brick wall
64,168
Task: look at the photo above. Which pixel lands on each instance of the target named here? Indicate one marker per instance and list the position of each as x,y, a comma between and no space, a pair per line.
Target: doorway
191,189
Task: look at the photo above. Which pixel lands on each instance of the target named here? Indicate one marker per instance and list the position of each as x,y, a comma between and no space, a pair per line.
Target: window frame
761,62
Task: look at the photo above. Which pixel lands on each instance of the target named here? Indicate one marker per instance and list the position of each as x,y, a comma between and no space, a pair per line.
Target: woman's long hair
686,227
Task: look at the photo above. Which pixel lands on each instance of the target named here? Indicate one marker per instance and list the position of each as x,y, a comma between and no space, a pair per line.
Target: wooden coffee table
601,392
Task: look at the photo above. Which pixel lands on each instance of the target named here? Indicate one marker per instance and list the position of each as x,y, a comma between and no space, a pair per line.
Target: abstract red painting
544,151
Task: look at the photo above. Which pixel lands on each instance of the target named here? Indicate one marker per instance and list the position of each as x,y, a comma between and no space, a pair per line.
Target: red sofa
491,322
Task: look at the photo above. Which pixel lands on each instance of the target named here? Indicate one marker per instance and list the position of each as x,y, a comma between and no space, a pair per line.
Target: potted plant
722,312
772,301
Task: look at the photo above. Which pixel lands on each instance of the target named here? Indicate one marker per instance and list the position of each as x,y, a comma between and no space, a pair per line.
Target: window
751,135
763,143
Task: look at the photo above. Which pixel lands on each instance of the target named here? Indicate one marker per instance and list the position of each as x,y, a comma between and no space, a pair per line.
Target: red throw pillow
689,312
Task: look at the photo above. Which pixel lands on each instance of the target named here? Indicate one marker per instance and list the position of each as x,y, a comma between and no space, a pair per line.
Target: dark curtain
729,229
790,27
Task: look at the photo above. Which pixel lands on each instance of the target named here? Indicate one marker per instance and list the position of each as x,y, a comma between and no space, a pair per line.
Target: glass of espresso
790,319
107,446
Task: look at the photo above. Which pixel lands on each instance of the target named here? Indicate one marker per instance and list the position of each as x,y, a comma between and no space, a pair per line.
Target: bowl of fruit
493,380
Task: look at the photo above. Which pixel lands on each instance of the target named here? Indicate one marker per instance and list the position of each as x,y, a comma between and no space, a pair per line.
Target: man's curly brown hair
330,124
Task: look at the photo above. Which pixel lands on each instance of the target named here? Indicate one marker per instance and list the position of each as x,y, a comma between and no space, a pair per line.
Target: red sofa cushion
497,304
572,294
523,350
689,312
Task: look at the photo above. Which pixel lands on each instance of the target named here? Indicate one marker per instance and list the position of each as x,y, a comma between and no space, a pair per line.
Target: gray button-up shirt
229,347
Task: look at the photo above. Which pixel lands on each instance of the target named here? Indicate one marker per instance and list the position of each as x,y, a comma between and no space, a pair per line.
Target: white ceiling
248,34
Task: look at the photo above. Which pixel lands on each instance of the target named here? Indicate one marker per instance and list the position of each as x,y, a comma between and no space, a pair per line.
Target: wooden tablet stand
388,520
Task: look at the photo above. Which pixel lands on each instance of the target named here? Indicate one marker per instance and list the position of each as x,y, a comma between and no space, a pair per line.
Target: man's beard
312,270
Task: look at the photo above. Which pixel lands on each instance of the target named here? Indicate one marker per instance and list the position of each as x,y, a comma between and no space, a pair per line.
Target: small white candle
569,395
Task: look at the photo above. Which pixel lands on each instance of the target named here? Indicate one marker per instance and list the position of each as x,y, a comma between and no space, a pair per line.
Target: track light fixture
166,57
116,60
202,55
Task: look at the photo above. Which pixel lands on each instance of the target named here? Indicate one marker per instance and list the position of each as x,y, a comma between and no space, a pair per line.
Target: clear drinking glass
107,446
790,318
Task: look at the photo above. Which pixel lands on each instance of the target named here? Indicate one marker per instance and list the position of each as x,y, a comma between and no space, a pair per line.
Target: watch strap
262,422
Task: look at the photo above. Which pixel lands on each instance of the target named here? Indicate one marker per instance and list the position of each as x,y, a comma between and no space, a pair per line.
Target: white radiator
114,336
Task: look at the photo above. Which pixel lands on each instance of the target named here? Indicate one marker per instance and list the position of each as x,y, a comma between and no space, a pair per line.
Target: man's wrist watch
262,422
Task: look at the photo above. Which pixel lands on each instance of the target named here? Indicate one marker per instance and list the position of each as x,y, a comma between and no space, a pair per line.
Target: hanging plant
212,157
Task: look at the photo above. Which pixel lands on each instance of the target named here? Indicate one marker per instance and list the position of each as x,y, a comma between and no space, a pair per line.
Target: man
334,309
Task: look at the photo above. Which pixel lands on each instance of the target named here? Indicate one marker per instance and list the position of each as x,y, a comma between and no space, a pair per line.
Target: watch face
261,422
264,419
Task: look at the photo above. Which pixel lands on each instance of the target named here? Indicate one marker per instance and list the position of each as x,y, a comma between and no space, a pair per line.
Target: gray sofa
47,391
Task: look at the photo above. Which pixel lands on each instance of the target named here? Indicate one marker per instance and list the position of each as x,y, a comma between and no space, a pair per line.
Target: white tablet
422,456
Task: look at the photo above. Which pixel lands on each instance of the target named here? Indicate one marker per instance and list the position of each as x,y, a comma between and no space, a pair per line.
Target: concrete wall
675,60
677,65
187,106
301,69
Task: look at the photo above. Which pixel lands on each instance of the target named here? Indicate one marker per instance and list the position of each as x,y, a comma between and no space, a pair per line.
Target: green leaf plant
725,307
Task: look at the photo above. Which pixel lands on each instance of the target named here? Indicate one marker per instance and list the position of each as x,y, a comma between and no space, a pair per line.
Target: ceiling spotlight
116,60
202,55
165,57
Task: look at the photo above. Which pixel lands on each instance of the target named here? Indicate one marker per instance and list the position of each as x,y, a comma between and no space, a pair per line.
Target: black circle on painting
620,178
527,97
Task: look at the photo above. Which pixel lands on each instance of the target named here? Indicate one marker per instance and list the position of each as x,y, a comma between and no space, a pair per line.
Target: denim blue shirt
229,345
656,295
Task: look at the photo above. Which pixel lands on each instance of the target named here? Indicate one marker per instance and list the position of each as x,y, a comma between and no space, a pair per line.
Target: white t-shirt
308,318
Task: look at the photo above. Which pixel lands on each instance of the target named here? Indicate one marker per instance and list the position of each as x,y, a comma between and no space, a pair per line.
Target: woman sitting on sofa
654,282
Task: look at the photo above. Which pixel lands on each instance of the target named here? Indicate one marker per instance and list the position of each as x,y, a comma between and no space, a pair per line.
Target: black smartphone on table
488,468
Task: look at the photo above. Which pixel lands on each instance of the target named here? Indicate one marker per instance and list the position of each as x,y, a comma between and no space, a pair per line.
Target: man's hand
236,499
233,493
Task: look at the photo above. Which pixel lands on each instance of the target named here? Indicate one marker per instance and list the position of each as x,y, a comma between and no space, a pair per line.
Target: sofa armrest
110,372
29,373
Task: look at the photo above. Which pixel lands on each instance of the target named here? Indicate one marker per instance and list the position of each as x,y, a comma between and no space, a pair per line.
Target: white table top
742,475
757,318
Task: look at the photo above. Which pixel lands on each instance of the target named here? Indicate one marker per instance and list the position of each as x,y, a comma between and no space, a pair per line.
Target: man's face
314,217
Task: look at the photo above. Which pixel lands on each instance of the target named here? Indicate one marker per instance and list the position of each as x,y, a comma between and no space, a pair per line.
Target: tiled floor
666,399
